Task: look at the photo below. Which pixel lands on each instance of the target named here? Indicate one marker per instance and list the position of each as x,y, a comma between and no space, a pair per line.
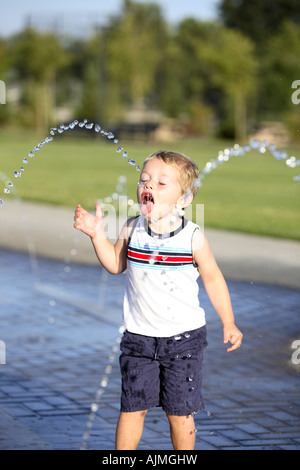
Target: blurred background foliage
197,86
220,78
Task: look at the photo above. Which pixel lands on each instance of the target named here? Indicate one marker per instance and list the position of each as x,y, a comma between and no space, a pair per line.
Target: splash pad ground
57,347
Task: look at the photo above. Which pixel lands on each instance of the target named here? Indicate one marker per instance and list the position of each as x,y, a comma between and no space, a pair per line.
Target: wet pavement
60,316
60,328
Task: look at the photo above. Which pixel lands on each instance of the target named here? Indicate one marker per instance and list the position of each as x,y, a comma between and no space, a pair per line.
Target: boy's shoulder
129,226
198,239
132,222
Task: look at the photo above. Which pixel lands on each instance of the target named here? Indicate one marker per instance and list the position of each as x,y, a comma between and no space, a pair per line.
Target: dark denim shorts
164,372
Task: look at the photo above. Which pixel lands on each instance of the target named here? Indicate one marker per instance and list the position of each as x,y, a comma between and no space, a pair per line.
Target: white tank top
161,288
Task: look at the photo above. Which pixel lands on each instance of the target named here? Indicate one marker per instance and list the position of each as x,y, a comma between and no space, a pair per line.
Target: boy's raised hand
88,223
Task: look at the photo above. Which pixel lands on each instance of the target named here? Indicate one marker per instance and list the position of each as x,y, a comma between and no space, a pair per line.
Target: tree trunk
240,118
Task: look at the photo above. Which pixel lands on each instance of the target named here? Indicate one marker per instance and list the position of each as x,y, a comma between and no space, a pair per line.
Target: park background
192,84
196,86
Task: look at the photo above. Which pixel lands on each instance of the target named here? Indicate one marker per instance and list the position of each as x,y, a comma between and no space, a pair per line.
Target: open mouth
147,198
147,202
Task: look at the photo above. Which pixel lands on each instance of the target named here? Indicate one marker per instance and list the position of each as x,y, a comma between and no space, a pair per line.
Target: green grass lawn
254,193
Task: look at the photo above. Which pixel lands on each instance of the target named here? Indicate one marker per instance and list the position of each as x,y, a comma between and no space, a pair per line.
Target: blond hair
189,171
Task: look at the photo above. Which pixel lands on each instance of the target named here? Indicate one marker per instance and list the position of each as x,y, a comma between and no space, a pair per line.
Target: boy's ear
185,200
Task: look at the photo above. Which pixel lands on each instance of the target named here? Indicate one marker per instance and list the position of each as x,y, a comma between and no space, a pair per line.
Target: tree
280,68
259,19
218,65
188,86
233,67
4,67
37,58
134,52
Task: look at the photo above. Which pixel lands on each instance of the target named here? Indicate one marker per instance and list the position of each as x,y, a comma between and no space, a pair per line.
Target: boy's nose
149,184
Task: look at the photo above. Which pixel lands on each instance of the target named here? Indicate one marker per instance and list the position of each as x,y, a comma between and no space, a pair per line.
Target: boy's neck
164,226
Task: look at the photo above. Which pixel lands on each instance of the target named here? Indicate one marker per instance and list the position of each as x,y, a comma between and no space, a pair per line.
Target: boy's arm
216,289
113,257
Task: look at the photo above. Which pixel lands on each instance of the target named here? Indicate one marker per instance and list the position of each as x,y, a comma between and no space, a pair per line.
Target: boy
164,254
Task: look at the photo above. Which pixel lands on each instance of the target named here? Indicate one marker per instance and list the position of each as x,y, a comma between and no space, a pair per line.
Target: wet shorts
164,372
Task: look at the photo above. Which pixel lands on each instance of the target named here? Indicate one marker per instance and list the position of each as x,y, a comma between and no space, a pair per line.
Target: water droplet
197,183
254,144
31,154
187,335
291,162
89,126
25,161
122,329
97,128
119,149
262,149
104,382
1,202
125,154
177,338
94,407
6,191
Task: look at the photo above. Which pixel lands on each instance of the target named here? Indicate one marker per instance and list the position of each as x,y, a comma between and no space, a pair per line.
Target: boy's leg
129,430
182,429
181,379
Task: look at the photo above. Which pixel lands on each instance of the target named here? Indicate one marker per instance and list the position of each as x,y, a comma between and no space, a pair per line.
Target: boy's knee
134,414
174,419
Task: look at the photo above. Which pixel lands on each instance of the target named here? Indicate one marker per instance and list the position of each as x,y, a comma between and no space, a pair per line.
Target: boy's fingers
235,340
235,346
98,211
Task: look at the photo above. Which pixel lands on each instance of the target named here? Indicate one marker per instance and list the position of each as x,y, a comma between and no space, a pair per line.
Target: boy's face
159,189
